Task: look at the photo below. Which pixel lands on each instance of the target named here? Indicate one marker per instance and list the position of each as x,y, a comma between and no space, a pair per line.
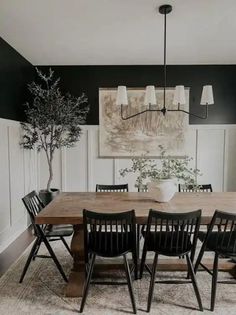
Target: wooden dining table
67,208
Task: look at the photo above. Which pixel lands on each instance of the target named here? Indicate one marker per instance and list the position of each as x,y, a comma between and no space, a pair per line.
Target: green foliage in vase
170,167
53,119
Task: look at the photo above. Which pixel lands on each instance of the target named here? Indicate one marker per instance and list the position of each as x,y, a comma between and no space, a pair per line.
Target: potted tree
160,181
52,121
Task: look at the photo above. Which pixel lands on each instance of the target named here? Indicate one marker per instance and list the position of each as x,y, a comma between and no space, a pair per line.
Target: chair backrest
33,206
143,189
112,188
223,225
173,233
191,188
109,233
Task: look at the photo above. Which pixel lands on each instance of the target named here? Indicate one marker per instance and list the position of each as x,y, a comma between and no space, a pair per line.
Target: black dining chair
119,188
221,239
112,188
171,234
191,188
109,235
44,235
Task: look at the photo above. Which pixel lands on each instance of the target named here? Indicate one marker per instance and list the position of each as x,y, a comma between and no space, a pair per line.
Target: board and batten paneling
75,165
18,177
80,168
229,161
213,149
5,221
210,157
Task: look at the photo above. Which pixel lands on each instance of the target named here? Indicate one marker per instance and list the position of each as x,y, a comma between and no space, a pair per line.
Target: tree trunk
50,174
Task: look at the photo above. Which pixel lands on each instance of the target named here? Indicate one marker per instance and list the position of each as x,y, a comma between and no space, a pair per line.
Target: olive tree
52,119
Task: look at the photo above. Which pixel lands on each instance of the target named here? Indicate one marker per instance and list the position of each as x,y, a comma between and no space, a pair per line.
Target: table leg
77,275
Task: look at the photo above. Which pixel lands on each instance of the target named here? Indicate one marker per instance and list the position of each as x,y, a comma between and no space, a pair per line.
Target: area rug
42,292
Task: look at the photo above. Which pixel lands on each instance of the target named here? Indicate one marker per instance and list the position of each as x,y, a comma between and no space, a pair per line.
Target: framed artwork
144,133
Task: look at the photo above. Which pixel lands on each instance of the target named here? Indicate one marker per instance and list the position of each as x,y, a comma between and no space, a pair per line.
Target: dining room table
67,208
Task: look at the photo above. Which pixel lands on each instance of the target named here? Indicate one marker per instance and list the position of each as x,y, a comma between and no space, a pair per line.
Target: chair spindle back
223,225
173,233
112,188
33,206
109,234
191,188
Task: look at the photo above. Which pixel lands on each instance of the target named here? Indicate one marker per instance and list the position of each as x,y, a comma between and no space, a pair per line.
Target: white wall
17,177
79,169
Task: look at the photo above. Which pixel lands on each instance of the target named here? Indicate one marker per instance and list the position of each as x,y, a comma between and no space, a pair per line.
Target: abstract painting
144,133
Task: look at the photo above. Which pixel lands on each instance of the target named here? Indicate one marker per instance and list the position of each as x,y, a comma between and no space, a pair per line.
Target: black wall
77,79
15,73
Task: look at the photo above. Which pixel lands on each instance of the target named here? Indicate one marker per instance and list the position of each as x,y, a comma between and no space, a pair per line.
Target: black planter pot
47,196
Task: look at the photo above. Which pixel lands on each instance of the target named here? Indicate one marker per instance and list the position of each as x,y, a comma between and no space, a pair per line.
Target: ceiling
110,32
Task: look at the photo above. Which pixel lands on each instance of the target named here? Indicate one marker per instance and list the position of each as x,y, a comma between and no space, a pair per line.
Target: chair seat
59,230
165,243
223,243
115,245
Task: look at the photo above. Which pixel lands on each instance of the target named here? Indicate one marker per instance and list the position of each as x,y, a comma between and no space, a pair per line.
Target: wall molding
18,177
106,170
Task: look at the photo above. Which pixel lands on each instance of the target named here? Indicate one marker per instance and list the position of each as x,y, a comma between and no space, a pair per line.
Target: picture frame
143,134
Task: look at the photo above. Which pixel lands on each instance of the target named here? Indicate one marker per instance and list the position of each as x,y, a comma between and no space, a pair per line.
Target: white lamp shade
207,95
150,95
179,95
121,98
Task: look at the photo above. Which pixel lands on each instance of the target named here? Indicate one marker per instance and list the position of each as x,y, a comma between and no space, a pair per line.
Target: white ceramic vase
162,190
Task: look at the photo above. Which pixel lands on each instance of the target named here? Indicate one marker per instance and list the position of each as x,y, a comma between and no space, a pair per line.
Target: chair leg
87,283
192,255
135,261
143,260
51,252
152,282
31,255
214,281
194,282
138,240
128,276
66,245
37,249
199,258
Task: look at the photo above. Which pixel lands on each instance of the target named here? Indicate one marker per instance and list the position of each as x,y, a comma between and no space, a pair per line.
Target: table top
67,207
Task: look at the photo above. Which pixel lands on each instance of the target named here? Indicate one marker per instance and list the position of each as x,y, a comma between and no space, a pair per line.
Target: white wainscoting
18,176
213,149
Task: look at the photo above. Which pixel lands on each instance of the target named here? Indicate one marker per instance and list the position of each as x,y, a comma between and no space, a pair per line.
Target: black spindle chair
112,188
119,188
44,235
221,239
109,235
171,234
191,188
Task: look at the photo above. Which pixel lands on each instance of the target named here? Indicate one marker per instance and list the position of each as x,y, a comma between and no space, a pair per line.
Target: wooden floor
15,250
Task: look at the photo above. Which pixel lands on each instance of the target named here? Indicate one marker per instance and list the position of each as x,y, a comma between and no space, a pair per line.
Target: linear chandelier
179,93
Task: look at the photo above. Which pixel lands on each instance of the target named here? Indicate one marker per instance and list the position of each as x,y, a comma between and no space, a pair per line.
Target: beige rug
42,292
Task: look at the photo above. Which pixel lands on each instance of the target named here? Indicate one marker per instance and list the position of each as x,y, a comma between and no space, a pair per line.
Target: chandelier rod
164,100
